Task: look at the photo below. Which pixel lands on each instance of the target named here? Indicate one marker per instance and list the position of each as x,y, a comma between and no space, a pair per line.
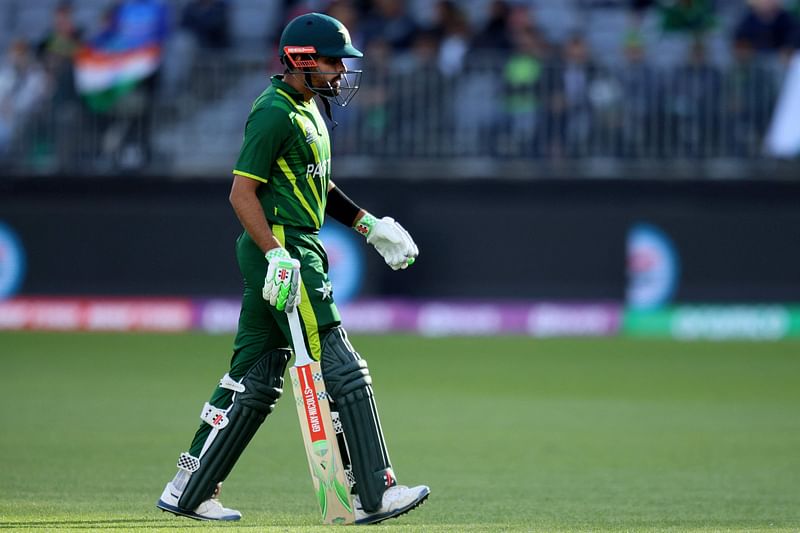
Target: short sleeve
265,138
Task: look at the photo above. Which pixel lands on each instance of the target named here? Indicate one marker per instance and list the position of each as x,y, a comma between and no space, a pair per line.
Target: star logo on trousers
326,289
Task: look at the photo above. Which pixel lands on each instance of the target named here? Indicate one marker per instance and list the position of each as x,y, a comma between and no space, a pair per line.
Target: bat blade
321,444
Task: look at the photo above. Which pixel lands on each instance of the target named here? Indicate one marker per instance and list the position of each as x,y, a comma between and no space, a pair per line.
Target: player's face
330,74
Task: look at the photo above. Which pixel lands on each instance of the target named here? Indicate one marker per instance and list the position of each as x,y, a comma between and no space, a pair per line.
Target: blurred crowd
490,77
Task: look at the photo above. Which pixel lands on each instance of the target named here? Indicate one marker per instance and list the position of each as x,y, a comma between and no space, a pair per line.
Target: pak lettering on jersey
319,170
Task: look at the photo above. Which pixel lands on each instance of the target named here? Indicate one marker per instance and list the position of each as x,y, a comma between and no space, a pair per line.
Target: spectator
131,24
58,48
417,96
23,85
767,27
689,16
520,18
423,54
638,9
496,34
197,51
388,20
131,29
750,96
208,22
640,6
57,51
477,91
694,108
454,36
523,75
571,102
373,103
640,95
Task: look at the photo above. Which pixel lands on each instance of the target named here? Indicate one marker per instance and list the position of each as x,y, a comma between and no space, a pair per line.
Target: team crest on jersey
308,128
311,135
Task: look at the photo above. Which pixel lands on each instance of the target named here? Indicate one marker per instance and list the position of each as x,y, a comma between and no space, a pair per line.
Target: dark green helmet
315,35
325,34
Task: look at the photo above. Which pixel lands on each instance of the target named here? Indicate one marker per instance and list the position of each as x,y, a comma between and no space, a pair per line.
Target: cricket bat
322,434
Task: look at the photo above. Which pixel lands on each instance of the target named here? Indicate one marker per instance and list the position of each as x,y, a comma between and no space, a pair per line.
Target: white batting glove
390,239
282,284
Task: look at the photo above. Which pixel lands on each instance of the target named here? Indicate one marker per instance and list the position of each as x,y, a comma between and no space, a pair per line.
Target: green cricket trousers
262,327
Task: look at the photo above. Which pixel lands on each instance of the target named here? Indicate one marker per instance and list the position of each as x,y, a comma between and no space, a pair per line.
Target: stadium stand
574,112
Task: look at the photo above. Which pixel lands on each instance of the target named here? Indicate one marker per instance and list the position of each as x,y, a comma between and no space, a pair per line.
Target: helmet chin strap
325,103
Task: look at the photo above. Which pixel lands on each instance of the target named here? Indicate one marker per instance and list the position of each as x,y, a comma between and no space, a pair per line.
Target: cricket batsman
281,192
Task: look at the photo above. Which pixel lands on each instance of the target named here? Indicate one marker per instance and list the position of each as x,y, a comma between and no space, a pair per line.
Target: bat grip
301,356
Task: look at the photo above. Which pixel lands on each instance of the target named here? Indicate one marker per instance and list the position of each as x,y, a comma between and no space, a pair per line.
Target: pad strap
214,416
227,382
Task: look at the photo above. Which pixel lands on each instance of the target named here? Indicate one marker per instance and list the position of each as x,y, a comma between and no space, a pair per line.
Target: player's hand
282,284
391,240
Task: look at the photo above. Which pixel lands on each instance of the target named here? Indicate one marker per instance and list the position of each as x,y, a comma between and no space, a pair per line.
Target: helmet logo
345,34
296,62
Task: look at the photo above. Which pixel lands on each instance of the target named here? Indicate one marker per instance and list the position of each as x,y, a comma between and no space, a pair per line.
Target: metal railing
493,118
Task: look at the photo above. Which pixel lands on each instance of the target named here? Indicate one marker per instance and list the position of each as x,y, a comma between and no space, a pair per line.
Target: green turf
511,434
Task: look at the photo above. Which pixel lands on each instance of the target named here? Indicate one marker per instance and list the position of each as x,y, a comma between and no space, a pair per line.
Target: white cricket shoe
210,509
396,500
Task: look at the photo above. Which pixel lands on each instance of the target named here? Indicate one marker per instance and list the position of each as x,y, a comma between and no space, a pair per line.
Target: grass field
512,434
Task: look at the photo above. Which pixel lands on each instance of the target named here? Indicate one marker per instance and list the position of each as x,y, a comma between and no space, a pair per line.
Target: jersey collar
278,83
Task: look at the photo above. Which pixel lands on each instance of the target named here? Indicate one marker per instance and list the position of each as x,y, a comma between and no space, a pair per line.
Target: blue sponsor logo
12,262
653,268
345,261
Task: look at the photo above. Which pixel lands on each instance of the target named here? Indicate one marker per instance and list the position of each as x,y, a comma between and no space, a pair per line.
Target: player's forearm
251,215
341,208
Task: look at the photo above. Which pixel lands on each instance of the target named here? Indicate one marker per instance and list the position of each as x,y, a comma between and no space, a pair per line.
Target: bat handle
301,356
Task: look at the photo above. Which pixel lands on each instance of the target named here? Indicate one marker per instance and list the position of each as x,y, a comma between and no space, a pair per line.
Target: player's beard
340,89
328,88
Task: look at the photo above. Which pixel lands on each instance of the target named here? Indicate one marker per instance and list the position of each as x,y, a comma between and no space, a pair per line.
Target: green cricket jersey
286,146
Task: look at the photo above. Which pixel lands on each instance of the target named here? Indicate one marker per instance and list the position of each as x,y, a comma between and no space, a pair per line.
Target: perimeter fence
494,117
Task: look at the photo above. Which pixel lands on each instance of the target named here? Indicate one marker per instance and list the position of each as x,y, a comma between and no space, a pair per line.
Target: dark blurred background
620,152
469,88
